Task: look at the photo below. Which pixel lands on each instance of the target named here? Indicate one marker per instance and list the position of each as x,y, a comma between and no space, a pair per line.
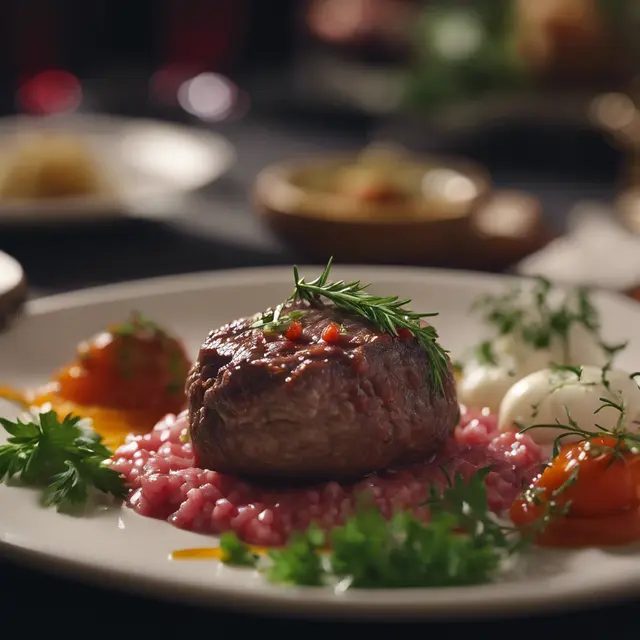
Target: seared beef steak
261,405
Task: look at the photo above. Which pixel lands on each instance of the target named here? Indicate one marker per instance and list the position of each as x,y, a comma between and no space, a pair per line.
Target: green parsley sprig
461,544
60,456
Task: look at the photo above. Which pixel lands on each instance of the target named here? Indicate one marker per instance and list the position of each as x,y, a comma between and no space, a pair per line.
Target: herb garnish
486,354
461,544
536,321
274,321
137,323
235,552
629,440
61,456
387,313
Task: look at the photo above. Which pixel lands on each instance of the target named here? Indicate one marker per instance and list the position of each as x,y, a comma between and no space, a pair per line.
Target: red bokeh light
52,91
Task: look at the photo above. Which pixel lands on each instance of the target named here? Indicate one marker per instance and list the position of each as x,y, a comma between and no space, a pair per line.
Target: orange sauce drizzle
215,553
210,553
114,425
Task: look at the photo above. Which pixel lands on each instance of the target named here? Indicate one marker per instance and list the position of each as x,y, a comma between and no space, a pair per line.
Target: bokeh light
208,96
51,91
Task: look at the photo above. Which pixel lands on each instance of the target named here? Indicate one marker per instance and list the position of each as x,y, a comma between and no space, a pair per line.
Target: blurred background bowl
386,206
84,168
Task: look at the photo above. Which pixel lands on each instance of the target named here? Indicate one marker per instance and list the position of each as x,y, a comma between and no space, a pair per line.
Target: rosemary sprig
387,313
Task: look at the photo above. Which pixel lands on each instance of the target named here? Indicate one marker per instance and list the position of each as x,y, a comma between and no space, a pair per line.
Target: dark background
116,49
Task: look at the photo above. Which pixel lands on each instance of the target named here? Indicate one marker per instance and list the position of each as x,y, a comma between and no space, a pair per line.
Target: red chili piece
331,333
404,333
294,331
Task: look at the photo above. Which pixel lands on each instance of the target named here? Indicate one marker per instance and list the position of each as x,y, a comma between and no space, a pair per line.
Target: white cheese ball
545,397
485,385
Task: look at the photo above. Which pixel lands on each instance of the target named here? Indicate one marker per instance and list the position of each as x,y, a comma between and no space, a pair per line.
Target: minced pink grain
165,484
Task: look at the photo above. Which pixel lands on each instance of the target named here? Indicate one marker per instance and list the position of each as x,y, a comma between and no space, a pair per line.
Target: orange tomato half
598,482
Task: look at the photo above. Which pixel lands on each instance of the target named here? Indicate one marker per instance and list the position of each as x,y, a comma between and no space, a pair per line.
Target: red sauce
331,333
294,331
600,488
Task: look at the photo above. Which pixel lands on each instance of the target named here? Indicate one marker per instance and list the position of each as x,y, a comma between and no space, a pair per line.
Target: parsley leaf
461,544
300,562
235,552
60,456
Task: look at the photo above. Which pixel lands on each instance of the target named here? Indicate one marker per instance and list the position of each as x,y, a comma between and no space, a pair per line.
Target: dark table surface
220,231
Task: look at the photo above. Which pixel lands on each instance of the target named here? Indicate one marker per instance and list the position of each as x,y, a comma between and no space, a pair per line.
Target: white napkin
596,251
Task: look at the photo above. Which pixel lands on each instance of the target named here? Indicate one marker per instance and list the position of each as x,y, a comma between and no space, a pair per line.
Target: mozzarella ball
484,386
549,396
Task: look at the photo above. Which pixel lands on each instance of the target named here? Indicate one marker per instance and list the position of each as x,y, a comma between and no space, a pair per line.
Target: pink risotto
165,484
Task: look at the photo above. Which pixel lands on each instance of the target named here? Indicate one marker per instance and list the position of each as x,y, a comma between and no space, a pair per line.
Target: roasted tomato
595,484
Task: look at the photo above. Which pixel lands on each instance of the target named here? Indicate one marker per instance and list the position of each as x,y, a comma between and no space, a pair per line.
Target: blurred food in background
385,205
433,53
49,165
580,42
618,115
507,87
384,181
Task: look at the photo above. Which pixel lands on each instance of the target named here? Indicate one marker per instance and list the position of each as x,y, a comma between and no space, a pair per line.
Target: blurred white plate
118,547
149,164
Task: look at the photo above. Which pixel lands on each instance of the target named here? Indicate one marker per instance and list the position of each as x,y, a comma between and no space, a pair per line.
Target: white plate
149,164
131,552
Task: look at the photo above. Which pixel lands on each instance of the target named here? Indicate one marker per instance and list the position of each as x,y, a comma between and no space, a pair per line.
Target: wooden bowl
449,219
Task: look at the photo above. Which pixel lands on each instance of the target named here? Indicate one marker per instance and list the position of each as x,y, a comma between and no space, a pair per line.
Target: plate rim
284,600
195,280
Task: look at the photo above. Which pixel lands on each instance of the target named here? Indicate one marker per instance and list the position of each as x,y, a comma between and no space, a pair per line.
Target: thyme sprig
624,439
